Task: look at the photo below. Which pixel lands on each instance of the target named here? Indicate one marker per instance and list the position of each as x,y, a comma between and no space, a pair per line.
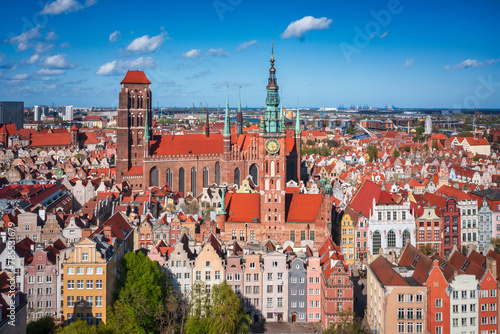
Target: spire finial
272,53
227,130
297,120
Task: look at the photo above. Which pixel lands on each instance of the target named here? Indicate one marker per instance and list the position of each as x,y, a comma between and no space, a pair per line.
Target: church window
193,181
254,173
217,173
267,167
272,168
154,177
277,167
237,176
181,180
205,177
169,177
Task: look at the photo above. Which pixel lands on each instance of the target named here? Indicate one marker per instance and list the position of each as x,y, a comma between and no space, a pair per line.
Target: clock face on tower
272,146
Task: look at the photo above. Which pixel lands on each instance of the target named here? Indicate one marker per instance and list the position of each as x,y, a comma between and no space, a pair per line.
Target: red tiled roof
51,139
137,77
242,207
134,171
187,144
302,207
385,273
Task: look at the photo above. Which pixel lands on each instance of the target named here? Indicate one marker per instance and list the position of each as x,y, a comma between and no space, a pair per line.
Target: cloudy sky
407,53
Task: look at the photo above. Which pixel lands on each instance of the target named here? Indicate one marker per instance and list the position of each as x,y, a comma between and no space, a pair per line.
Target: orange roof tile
137,77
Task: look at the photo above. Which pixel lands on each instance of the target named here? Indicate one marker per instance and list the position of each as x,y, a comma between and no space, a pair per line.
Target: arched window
205,177
290,171
169,178
154,177
406,236
181,180
376,242
237,176
217,173
254,173
277,167
193,181
272,168
267,167
129,103
391,239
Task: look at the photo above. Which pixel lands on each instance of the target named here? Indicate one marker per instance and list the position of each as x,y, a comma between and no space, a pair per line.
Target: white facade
275,280
40,111
464,304
428,125
390,225
469,217
65,112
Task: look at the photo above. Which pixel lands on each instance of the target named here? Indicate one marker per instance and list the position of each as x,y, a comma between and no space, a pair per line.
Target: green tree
144,289
496,243
466,134
227,311
112,159
419,131
310,142
467,128
426,249
350,130
426,147
192,207
372,152
333,143
223,314
347,324
80,327
324,151
121,318
396,153
44,325
407,149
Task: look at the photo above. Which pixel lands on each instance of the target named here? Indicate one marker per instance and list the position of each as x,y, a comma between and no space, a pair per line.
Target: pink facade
362,248
314,288
40,285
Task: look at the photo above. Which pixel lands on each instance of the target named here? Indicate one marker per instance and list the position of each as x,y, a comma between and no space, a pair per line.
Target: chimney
107,231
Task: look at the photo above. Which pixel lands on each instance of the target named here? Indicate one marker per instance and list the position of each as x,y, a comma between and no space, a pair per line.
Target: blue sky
405,53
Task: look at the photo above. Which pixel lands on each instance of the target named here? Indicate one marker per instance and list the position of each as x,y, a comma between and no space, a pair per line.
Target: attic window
443,265
415,260
465,266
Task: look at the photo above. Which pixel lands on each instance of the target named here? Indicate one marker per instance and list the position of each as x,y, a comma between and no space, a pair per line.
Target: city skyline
408,54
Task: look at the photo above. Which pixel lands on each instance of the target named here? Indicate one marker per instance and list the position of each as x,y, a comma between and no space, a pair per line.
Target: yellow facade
347,238
90,280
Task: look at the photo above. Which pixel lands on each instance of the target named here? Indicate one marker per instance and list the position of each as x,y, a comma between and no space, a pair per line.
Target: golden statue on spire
272,52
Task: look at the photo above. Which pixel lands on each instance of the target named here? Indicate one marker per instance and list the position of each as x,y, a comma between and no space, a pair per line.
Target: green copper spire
297,121
272,117
282,116
146,126
223,203
227,128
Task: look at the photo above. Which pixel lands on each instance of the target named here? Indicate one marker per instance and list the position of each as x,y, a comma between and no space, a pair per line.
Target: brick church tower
134,122
272,156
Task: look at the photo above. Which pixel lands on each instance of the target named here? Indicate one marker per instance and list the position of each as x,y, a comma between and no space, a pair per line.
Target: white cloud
217,53
245,45
121,66
33,59
472,63
114,36
58,61
51,36
20,76
65,6
371,36
146,44
194,53
47,71
300,27
24,41
42,47
65,45
409,62
384,35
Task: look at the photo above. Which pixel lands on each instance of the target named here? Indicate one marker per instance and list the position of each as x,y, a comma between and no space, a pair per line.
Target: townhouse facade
275,287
